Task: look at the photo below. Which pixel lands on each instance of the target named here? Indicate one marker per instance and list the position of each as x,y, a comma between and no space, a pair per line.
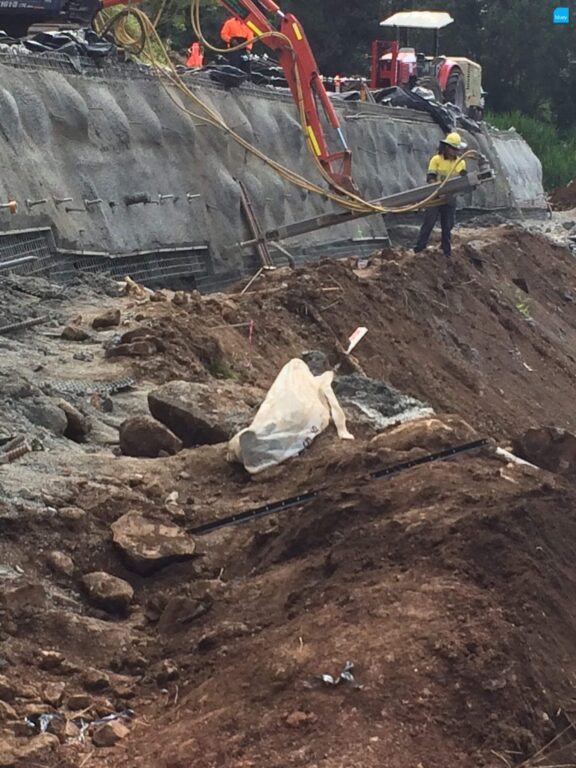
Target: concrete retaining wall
102,136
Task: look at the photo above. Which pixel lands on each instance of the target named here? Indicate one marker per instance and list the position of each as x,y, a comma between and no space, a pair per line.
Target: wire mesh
110,69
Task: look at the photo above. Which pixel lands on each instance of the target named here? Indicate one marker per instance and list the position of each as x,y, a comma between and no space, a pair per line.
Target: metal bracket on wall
256,230
33,203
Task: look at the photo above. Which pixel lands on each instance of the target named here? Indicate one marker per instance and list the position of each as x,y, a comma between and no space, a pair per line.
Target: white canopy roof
419,20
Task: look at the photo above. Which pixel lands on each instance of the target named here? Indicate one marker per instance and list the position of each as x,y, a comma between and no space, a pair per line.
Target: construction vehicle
17,16
451,79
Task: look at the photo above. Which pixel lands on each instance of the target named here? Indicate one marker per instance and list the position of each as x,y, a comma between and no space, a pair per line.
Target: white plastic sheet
297,408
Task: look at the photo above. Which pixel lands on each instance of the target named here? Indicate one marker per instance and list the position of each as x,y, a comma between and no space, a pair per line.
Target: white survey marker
356,338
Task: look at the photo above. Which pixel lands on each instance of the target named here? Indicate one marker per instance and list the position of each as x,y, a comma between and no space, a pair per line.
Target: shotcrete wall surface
102,137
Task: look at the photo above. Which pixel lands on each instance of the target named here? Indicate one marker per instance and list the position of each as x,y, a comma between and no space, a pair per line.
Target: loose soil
450,586
564,198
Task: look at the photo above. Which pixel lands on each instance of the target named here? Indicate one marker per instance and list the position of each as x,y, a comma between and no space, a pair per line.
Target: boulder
148,545
144,436
200,414
42,412
107,319
108,592
549,448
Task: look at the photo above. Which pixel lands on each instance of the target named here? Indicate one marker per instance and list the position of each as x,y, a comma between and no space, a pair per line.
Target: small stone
64,729
180,299
168,672
142,348
60,563
78,702
34,708
78,425
94,680
107,319
297,719
21,729
158,296
53,693
135,481
49,660
110,733
74,333
73,516
83,356
108,592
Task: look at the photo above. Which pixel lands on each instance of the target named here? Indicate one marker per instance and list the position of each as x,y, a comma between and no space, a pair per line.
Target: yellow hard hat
454,140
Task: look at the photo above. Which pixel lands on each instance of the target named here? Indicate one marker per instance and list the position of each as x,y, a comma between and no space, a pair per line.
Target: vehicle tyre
455,91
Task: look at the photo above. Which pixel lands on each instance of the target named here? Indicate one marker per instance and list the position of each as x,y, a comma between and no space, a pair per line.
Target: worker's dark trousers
239,59
447,219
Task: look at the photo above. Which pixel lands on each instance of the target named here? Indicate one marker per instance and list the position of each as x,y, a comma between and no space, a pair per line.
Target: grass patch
555,149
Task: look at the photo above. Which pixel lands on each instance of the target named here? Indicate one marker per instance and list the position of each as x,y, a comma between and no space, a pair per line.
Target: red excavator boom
301,72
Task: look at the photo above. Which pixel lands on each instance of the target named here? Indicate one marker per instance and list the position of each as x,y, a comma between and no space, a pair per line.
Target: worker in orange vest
195,56
234,32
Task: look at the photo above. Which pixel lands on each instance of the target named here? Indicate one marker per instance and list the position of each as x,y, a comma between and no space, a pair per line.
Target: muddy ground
450,586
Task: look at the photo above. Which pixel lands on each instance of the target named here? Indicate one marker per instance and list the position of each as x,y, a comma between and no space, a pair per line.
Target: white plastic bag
297,408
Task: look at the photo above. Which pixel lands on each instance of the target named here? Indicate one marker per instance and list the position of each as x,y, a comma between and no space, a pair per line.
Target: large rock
148,545
144,436
42,412
548,447
108,592
200,414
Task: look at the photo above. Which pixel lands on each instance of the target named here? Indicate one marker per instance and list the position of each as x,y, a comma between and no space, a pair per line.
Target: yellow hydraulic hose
140,38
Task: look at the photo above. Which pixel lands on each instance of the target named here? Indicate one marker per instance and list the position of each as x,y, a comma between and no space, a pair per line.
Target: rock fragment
108,592
148,545
143,436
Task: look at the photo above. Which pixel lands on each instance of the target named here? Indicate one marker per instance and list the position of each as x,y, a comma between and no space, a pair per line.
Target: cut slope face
450,586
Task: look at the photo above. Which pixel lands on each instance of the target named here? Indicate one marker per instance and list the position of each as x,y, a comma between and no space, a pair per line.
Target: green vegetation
556,149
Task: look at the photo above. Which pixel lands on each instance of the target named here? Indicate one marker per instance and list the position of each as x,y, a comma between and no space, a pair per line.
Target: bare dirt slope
450,586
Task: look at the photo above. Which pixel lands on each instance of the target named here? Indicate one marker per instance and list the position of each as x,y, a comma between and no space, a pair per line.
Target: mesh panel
79,65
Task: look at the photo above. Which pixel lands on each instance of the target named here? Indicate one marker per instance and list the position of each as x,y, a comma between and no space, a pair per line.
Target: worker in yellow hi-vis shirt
446,163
